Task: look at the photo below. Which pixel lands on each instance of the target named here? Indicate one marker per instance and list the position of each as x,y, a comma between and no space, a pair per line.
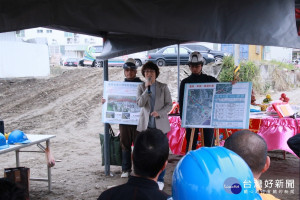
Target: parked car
71,62
218,55
92,51
140,57
168,56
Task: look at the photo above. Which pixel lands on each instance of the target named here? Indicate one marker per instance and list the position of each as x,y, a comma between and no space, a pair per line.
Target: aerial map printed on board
216,105
120,105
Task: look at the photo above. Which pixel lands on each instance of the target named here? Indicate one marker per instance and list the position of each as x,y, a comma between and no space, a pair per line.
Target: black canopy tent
137,25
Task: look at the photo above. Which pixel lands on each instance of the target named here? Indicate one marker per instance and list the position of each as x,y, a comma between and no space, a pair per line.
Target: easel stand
192,138
202,137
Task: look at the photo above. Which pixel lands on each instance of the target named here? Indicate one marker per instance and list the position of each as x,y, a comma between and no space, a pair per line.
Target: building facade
21,59
62,45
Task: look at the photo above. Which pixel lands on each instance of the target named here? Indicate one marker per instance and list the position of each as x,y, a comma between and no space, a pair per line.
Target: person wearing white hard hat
195,64
128,133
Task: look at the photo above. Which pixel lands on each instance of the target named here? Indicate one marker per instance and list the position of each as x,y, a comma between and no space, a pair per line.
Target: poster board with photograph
120,105
216,105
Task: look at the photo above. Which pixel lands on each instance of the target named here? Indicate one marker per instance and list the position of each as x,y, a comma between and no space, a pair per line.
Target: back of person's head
251,147
150,153
11,191
212,173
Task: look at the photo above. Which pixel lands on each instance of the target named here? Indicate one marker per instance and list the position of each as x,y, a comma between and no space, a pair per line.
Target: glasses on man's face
149,71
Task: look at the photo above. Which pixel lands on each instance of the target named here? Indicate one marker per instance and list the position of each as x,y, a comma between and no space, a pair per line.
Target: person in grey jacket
155,100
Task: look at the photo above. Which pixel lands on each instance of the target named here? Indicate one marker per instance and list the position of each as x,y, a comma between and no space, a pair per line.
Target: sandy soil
67,105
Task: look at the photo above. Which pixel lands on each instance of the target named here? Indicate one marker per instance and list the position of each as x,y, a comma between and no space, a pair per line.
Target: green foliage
227,73
248,71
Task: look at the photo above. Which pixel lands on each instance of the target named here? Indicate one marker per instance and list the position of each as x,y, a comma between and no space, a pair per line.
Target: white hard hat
195,58
129,63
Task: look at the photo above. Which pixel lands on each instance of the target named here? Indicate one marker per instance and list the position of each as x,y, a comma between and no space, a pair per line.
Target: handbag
115,148
20,176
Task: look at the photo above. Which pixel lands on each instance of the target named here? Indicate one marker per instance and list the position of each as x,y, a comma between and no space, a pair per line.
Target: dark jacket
136,188
193,78
136,79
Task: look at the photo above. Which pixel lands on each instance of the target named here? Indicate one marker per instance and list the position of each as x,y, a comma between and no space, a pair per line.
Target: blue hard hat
3,144
18,136
213,173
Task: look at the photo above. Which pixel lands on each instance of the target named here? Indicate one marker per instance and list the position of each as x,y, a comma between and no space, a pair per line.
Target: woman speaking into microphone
155,100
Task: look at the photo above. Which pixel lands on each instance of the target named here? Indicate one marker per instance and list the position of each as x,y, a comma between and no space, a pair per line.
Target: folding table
35,139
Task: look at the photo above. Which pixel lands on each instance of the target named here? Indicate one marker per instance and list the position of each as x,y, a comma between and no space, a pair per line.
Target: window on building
67,34
39,30
92,40
20,33
69,40
76,38
54,41
49,31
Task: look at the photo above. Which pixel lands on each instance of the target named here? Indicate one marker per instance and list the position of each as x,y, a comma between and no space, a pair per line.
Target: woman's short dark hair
150,65
150,152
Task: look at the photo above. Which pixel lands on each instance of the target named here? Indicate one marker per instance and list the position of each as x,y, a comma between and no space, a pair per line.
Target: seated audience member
253,149
213,173
294,144
11,191
150,157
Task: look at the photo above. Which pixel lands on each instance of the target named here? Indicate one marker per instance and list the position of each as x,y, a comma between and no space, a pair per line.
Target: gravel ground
67,105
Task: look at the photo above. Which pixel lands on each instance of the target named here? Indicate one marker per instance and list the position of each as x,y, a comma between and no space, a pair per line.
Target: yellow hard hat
6,135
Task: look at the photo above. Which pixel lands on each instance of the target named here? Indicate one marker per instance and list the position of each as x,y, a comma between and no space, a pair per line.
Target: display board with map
216,105
120,105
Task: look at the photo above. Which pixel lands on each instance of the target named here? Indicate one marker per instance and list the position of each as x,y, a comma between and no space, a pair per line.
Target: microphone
149,80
